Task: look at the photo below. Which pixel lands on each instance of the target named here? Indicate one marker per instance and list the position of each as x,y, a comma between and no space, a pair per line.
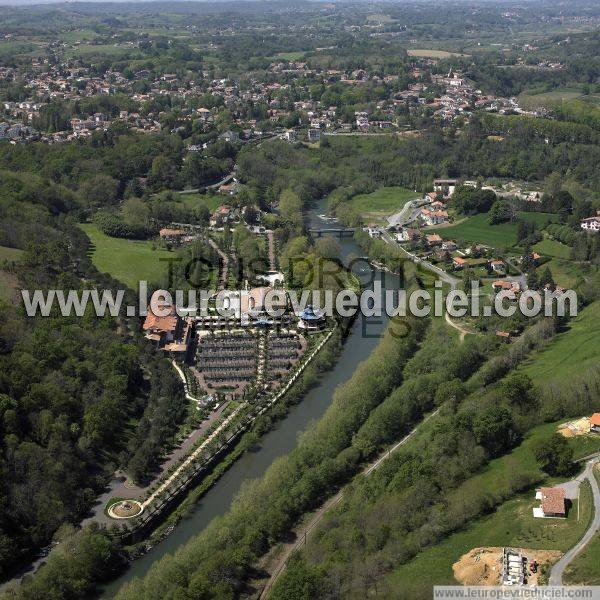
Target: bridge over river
339,231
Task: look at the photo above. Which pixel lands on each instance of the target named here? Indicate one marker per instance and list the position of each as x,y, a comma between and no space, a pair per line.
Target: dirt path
224,264
305,529
272,259
463,331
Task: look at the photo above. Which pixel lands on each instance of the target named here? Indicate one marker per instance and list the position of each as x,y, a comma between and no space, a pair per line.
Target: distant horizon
33,3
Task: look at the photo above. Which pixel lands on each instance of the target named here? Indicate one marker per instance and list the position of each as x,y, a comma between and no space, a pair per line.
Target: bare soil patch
483,566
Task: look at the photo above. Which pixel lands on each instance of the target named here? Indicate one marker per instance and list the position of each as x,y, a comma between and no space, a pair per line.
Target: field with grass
584,569
557,95
129,261
477,229
565,272
290,55
383,202
512,524
10,254
553,248
422,53
573,350
195,200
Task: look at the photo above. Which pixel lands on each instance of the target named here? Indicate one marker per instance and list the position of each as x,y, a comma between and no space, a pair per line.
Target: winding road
557,572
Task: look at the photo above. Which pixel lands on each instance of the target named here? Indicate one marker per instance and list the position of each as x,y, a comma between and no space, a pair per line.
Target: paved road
301,534
408,213
556,574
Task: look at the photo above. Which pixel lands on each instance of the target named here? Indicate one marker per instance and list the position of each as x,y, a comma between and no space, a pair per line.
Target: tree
554,455
546,279
290,207
493,429
501,212
99,190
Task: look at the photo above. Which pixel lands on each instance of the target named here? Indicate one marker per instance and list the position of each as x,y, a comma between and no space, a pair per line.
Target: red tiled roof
164,324
171,232
553,501
595,419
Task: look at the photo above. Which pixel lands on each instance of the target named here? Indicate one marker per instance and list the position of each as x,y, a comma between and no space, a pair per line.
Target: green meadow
572,350
477,229
512,524
386,200
553,249
129,261
9,254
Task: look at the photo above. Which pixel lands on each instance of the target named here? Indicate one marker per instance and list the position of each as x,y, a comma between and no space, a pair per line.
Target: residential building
553,502
591,224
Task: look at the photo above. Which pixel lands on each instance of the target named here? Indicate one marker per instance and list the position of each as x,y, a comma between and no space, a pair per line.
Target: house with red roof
552,502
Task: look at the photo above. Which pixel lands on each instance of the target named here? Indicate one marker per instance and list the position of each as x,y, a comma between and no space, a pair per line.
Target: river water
361,341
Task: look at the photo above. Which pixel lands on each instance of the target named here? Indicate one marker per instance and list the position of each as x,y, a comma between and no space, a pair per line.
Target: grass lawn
291,55
129,261
564,272
477,229
553,248
195,200
433,53
385,201
569,352
557,95
584,569
512,524
10,254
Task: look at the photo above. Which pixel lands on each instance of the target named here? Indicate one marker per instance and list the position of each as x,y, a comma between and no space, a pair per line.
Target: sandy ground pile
575,428
483,566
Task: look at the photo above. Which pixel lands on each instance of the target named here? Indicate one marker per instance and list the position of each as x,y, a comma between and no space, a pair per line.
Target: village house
591,224
458,263
498,266
173,236
595,423
407,235
434,217
433,239
500,286
223,214
449,245
314,135
553,503
167,330
445,186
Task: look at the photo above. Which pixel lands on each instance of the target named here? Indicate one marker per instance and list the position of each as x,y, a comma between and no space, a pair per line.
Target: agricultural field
572,350
290,55
477,229
557,95
129,261
383,202
421,53
512,524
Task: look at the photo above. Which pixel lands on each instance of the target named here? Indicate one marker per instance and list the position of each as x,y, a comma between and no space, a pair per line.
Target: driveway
556,575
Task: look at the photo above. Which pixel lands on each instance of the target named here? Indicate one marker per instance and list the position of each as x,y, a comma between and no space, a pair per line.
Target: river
362,339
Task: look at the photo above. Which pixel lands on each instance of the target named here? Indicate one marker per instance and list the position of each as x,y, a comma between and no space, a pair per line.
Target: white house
591,224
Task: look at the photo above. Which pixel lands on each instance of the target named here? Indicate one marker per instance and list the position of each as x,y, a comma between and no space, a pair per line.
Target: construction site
503,566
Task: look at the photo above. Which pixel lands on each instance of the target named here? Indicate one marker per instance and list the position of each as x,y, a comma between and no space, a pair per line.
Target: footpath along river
361,341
